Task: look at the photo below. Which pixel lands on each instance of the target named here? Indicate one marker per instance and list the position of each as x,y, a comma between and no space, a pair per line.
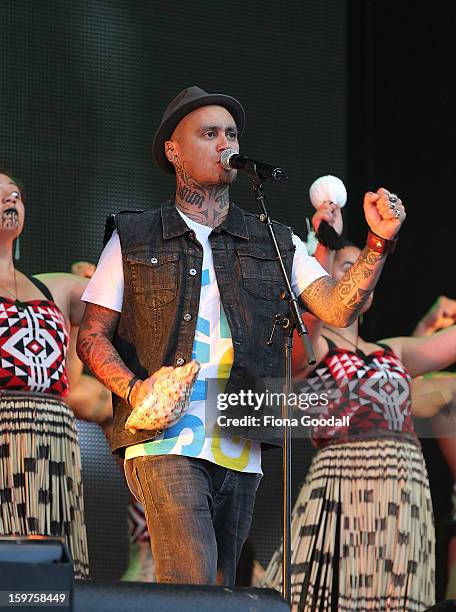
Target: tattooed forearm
205,204
339,303
361,271
95,349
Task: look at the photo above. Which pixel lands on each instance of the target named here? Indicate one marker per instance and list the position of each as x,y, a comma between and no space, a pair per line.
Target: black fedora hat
184,103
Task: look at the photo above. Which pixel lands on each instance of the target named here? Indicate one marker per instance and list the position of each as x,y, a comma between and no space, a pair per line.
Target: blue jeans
198,515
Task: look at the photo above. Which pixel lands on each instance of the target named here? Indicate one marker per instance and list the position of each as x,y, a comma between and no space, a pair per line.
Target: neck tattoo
205,204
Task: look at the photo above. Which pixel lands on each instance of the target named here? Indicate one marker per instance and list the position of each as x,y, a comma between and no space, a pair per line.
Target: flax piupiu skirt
362,531
40,472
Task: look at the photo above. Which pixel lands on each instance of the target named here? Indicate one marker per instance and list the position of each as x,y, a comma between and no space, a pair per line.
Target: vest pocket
154,277
261,275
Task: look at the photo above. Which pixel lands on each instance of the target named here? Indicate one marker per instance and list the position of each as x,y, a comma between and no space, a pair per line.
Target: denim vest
162,265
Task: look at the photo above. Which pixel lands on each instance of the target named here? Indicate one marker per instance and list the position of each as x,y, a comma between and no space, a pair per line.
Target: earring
361,318
170,153
17,250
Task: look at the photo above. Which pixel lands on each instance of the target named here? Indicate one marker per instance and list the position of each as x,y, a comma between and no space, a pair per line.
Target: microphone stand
289,323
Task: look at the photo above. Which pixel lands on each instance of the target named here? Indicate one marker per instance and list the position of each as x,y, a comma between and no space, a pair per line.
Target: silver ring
393,198
398,213
392,205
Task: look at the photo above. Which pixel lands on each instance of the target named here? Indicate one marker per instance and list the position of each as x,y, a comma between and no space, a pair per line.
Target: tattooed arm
95,349
339,303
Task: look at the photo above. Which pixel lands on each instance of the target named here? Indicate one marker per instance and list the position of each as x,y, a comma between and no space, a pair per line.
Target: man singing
198,278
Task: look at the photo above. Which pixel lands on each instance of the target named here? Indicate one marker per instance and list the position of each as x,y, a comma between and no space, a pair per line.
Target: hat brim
166,129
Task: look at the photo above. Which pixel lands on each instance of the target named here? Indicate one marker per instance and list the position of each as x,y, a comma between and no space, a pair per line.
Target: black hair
348,243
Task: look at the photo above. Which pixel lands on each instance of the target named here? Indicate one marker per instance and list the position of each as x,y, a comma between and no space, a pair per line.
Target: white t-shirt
212,348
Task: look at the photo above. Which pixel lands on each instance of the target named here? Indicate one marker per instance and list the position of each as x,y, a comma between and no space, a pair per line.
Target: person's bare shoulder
66,289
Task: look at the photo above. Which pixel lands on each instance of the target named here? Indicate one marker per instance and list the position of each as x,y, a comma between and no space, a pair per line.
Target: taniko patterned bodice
33,346
372,390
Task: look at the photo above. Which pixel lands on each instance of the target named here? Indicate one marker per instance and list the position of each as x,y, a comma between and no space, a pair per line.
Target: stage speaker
139,596
449,605
36,572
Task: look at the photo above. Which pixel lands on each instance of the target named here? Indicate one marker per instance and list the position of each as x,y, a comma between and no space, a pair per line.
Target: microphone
231,159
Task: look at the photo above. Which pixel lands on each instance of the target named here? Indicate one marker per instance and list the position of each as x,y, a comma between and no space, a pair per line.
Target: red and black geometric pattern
373,390
136,520
33,346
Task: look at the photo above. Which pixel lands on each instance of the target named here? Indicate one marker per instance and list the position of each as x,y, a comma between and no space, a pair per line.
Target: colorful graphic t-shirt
212,348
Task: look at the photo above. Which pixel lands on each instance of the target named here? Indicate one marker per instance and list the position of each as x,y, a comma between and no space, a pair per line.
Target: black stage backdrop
402,130
84,85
